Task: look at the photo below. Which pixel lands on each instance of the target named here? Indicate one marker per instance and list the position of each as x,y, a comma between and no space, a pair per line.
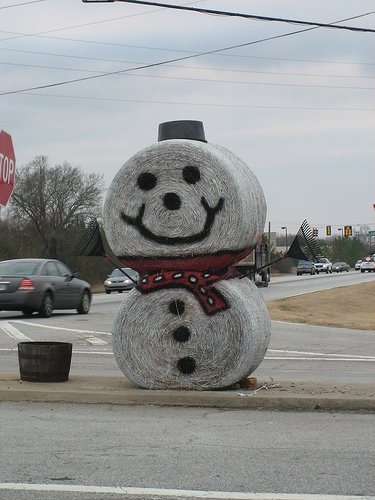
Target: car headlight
108,282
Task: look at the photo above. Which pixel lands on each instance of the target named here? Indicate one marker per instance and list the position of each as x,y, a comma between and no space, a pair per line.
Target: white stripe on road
13,332
109,353
21,322
150,492
90,338
94,340
298,358
320,354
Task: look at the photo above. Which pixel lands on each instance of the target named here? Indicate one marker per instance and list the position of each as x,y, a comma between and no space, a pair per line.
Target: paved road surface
186,449
85,448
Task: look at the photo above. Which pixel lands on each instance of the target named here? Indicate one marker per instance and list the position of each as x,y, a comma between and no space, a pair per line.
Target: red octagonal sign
7,167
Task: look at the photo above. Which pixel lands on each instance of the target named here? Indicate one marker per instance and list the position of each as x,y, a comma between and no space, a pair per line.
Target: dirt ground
350,306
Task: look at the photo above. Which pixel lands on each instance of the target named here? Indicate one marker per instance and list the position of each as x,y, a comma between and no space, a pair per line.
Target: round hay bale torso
154,335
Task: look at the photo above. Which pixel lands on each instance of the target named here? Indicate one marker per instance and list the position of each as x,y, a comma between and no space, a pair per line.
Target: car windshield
116,273
304,263
16,268
322,260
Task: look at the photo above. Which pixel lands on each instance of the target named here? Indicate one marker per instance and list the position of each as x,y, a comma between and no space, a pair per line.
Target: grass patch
345,307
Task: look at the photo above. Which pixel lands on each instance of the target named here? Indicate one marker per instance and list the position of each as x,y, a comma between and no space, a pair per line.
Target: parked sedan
41,285
120,280
339,267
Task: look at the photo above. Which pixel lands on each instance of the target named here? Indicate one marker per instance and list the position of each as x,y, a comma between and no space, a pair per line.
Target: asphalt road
103,452
296,352
184,449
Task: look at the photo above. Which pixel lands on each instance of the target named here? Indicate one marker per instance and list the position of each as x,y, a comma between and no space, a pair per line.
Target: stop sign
7,167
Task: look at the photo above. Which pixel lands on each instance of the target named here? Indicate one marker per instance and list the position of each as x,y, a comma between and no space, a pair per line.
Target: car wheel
108,291
362,270
120,291
27,311
84,306
46,309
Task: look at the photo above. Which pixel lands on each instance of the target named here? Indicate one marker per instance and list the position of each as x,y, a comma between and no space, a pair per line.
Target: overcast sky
299,109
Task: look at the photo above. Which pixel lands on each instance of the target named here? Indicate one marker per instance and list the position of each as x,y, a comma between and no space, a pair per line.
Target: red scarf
196,274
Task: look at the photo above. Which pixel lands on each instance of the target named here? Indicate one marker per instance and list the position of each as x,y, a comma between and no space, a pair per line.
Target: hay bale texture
195,207
222,174
225,347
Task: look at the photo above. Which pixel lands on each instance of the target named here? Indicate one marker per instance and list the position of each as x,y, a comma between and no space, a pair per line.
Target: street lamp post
342,232
286,237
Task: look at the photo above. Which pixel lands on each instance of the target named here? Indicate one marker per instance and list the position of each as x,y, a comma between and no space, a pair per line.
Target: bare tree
54,199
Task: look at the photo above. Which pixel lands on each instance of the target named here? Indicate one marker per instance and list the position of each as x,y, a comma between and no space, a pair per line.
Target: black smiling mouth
175,240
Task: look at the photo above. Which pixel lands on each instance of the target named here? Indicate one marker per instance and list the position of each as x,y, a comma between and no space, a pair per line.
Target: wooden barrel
44,361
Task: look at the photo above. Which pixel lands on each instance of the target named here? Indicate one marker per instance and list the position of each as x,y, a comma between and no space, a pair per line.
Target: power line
23,3
237,14
70,56
200,68
168,61
191,79
24,35
216,105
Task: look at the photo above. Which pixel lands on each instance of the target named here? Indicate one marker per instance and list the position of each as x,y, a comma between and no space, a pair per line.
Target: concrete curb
284,395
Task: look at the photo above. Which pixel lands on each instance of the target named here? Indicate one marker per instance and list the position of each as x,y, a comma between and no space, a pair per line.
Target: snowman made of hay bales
182,212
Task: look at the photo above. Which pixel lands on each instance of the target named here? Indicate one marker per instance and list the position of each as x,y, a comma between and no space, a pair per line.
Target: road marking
109,353
321,354
149,492
19,336
19,321
13,332
94,340
298,358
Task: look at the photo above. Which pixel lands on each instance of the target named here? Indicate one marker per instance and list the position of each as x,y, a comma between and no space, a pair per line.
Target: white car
323,265
120,280
368,264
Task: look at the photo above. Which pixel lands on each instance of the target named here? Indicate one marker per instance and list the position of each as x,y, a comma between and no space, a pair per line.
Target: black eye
191,174
146,181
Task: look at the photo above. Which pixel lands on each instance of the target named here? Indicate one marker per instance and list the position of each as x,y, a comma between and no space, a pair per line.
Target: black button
181,334
177,307
186,365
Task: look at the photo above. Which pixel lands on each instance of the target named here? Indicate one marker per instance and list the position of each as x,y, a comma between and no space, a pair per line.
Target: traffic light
315,232
347,231
328,230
